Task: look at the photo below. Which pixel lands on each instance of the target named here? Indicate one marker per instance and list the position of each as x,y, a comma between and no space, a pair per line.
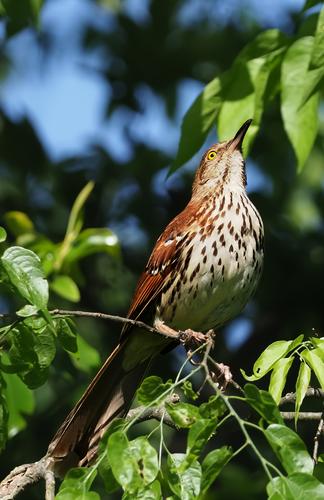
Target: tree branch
290,397
303,415
24,475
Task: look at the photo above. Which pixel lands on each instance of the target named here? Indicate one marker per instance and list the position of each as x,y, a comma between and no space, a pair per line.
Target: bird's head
222,165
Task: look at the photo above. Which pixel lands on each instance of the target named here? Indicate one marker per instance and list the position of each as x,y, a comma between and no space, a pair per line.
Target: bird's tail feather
108,396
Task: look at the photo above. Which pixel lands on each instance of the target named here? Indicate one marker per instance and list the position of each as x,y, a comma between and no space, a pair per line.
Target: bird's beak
236,142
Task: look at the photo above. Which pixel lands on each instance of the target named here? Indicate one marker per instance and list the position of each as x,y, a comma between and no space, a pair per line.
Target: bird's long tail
109,396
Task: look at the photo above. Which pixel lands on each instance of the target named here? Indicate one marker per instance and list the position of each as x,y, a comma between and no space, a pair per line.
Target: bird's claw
224,376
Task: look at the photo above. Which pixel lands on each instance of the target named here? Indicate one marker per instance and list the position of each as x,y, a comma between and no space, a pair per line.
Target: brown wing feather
163,258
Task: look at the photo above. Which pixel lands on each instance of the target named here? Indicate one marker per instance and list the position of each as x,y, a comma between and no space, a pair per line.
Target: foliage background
97,90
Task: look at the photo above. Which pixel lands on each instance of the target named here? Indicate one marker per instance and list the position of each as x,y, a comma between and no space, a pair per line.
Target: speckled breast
221,267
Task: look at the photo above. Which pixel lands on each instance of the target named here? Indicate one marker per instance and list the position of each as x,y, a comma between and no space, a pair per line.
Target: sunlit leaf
77,483
66,288
150,492
289,448
300,122
188,390
263,403
92,241
298,486
134,463
279,377
268,358
184,481
302,385
315,361
75,224
26,275
183,414
151,390
86,358
197,122
18,223
3,234
27,310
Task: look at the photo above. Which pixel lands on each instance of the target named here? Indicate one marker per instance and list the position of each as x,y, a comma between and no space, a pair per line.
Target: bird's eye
211,155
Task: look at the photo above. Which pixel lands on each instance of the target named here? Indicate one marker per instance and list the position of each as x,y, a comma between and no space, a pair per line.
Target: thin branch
142,413
303,415
290,397
317,438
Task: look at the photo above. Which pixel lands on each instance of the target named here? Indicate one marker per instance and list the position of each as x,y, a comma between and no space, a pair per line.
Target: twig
290,397
304,415
317,438
142,413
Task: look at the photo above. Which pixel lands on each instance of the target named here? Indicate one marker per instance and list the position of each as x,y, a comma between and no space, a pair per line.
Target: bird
202,271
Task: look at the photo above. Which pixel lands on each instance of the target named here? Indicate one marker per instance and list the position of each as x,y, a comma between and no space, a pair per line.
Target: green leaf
279,377
66,334
213,409
134,463
86,358
18,223
24,270
183,414
27,311
212,465
92,241
197,122
4,415
150,492
233,94
263,403
302,384
289,448
65,287
188,390
20,402
72,494
198,435
152,389
268,358
74,225
3,234
77,483
297,486
184,481
300,121
317,57
315,361
32,351
107,475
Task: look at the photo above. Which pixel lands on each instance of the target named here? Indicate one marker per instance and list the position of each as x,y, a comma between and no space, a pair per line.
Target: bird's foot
223,377
192,340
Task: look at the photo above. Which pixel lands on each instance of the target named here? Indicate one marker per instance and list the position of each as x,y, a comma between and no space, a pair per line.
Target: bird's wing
164,259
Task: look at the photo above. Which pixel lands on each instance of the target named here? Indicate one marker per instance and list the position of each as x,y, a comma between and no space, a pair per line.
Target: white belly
222,274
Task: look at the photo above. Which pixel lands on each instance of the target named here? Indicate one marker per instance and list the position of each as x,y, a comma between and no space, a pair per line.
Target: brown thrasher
201,273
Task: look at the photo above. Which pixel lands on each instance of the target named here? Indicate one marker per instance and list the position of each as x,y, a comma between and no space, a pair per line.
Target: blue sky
66,103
